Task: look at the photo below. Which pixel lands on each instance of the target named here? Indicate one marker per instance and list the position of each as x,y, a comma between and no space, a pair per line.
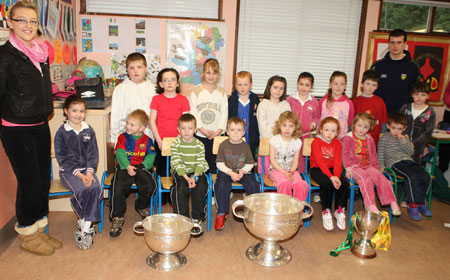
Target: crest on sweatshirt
403,76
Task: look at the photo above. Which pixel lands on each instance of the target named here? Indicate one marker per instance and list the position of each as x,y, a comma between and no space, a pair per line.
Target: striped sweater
392,150
188,157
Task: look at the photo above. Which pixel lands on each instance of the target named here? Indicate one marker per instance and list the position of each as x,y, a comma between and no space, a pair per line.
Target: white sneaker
327,220
340,218
316,198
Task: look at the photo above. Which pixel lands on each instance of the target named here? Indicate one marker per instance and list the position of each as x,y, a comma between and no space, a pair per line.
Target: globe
90,68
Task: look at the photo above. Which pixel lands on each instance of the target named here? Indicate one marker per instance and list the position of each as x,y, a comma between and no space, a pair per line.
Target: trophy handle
308,214
200,231
138,228
236,204
355,226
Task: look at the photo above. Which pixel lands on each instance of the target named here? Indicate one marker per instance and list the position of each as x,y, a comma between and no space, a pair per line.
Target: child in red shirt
369,103
326,170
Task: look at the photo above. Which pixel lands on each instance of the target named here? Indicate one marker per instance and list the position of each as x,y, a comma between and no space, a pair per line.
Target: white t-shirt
285,151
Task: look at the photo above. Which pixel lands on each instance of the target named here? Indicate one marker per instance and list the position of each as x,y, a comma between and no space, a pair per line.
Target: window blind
167,8
287,37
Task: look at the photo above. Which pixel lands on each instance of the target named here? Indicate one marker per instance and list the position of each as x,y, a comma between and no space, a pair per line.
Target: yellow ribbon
383,235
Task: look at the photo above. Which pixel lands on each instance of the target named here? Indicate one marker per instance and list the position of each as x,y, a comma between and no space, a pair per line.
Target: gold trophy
366,224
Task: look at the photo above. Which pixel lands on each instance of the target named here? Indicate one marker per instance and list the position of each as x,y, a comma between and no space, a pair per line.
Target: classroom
267,50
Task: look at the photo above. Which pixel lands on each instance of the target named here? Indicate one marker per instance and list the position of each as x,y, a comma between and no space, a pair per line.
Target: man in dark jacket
398,73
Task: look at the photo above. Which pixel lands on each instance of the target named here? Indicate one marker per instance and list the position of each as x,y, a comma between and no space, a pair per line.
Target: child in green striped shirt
188,172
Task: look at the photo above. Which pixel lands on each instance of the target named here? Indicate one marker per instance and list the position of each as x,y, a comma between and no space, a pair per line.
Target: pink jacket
307,114
349,159
342,110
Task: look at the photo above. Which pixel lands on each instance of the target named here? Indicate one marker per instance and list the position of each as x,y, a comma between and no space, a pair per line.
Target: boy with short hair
134,158
133,93
369,103
234,163
188,171
243,103
421,119
395,151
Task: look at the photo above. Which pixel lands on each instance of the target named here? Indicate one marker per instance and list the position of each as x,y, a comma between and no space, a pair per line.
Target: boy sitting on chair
135,155
395,151
188,171
234,163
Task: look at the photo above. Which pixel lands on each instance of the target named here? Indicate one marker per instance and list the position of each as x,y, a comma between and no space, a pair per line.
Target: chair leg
352,199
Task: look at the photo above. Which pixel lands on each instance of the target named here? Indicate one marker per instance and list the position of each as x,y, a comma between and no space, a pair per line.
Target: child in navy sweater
77,154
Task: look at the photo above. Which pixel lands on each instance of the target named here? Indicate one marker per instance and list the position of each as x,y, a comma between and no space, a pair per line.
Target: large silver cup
366,224
271,217
166,234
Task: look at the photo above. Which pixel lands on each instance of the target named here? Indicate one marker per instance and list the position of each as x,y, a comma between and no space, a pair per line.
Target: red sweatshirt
326,156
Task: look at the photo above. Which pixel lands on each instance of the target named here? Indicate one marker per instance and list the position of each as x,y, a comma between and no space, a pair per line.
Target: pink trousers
369,177
285,186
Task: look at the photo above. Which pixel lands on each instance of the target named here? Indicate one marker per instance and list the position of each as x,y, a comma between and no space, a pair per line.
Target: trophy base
269,254
166,262
364,252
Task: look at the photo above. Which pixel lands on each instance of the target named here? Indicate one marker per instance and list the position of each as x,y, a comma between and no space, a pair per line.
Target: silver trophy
366,224
166,234
271,217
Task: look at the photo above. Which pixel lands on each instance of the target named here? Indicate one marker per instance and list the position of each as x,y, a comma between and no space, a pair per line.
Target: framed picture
431,53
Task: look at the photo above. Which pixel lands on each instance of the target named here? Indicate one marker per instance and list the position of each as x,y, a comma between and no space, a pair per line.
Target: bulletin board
431,53
118,37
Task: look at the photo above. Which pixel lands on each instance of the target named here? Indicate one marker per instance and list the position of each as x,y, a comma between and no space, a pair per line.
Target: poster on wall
190,44
4,35
431,53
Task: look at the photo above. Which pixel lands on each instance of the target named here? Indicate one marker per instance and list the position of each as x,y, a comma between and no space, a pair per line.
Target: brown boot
30,241
55,243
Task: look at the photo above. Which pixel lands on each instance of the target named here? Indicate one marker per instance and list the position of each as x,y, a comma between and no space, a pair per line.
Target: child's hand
131,170
336,182
214,134
191,182
159,142
241,174
90,179
348,174
112,145
84,179
312,126
381,170
234,176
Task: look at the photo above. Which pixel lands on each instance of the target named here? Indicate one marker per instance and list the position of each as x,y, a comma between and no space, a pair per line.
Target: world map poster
190,44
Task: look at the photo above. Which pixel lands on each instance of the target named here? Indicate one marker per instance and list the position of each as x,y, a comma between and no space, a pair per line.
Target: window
415,16
166,8
293,36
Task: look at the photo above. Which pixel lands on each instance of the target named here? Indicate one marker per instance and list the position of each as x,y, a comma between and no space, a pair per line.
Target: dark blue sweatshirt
396,80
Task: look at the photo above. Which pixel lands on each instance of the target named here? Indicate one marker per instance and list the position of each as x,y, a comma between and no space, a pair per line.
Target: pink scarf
37,53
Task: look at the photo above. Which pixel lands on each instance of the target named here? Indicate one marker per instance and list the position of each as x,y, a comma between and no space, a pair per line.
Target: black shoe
144,213
116,226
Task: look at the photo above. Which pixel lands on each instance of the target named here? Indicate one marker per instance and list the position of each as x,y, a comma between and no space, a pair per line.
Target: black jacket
396,80
25,93
253,131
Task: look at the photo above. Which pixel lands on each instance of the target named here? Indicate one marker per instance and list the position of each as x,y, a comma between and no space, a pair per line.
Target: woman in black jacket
25,104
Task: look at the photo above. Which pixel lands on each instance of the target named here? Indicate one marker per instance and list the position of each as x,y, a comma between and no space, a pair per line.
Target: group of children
336,151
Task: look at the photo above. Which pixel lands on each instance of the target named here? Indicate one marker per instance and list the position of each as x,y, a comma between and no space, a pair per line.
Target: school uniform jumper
129,96
189,159
233,157
284,156
77,152
420,129
210,109
396,154
136,151
374,106
267,114
326,162
308,113
252,130
341,109
360,157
